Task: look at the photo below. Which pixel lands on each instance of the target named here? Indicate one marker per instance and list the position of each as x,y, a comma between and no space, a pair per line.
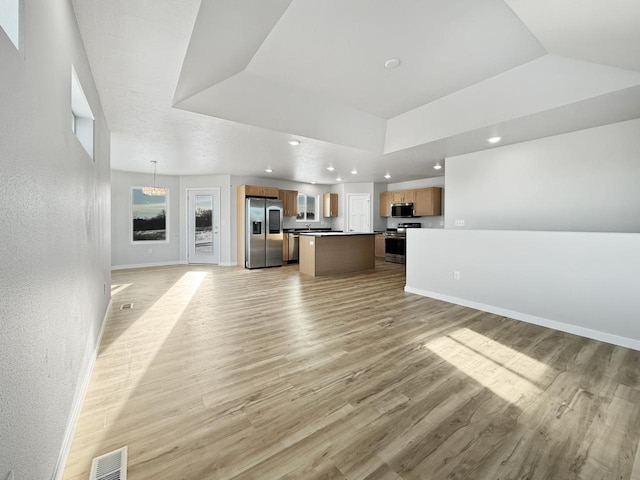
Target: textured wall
54,236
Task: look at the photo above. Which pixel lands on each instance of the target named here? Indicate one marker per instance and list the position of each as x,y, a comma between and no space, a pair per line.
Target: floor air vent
110,466
126,306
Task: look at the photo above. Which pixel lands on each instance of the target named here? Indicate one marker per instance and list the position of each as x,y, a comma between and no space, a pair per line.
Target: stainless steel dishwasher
294,247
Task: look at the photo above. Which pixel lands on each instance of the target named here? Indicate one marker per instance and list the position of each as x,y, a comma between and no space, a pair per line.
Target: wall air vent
126,306
110,466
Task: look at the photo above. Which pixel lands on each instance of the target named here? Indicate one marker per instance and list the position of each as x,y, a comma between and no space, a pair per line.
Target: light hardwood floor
226,373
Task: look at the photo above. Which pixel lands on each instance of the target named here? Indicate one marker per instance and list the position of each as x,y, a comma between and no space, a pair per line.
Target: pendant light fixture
153,191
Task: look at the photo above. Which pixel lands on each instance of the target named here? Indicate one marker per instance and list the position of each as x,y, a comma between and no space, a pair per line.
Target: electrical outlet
456,275
149,250
459,223
442,223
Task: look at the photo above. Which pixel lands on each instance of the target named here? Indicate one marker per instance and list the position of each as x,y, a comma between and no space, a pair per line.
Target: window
81,114
307,208
10,13
149,216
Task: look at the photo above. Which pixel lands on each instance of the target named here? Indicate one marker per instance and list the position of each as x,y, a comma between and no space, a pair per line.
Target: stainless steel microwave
402,210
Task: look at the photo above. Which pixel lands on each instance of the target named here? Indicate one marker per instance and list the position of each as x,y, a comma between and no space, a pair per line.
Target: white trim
525,317
77,404
144,265
227,264
188,218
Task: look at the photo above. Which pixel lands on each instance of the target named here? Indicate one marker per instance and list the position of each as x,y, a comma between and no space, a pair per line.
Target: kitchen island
331,253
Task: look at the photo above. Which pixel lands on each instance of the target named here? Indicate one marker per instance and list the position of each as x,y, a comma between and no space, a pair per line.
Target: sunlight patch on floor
515,361
154,326
490,363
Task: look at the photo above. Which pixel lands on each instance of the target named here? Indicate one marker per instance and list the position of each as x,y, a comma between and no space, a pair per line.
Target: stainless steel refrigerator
263,243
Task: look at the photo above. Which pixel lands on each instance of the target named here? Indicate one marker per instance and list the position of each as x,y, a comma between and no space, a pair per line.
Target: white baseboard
525,317
77,404
228,264
144,265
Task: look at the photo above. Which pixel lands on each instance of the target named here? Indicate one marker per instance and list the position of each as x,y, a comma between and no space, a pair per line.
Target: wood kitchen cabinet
402,196
427,202
289,202
380,245
330,205
285,247
386,199
260,191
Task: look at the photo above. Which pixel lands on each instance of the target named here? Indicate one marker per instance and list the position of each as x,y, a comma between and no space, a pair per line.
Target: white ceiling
219,87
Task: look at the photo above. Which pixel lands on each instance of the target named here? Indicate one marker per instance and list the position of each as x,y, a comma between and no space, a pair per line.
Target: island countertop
332,253
334,234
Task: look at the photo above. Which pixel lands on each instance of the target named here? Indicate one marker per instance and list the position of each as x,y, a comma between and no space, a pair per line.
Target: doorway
203,225
359,212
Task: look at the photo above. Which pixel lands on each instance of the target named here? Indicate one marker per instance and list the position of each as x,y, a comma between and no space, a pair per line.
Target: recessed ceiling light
268,170
313,183
331,169
354,172
437,166
338,179
392,63
293,143
387,176
494,139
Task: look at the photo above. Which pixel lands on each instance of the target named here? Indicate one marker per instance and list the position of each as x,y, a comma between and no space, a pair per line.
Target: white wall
581,181
579,282
123,252
427,222
55,237
345,189
208,181
379,223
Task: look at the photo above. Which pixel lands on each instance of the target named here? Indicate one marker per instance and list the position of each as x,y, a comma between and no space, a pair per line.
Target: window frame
167,220
306,208
17,23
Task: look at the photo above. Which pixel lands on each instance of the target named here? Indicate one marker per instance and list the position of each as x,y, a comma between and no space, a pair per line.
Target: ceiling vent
110,466
126,306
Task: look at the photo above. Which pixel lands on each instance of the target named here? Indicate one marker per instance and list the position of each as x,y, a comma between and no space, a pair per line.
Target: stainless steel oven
395,243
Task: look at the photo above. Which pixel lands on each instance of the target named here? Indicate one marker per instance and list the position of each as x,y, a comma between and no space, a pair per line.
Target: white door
203,225
359,212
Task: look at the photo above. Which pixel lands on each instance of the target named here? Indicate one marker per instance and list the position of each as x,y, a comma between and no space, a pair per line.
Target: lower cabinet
285,247
380,245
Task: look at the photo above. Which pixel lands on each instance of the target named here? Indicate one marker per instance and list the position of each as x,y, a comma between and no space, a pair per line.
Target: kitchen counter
332,253
334,234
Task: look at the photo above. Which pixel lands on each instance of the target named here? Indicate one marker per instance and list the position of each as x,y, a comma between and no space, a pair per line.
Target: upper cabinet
427,202
259,191
330,205
386,199
289,202
402,196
